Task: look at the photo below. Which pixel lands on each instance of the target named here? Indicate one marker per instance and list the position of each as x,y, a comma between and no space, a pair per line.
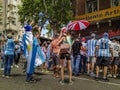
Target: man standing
104,51
31,49
91,44
76,57
55,49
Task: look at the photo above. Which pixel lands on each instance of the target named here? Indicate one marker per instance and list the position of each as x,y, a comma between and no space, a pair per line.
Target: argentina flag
31,50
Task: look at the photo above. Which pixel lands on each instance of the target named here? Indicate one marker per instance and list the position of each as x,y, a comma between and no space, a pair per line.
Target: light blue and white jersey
104,47
10,46
91,44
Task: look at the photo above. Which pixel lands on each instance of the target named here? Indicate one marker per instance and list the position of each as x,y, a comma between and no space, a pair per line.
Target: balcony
11,15
12,3
12,27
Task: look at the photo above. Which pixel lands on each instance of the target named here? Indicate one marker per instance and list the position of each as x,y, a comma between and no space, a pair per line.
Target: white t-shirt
116,48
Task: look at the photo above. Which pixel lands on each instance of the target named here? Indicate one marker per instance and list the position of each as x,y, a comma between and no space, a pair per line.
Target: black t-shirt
76,47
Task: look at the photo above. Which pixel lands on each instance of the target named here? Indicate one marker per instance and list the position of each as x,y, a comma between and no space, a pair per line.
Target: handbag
64,48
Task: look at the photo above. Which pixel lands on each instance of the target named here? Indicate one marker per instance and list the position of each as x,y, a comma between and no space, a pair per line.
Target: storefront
107,20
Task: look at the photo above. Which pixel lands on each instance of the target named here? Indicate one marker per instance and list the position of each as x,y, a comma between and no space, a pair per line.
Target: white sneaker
114,76
101,70
2,69
109,75
16,66
12,66
3,76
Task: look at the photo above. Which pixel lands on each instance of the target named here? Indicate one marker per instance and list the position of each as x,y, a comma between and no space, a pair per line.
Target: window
1,23
115,3
14,21
91,6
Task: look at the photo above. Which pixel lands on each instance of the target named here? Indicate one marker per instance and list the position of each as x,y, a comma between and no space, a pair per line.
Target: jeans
83,63
7,64
75,64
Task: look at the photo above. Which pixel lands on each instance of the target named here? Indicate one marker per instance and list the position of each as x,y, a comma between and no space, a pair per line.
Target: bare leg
70,70
105,72
62,70
97,71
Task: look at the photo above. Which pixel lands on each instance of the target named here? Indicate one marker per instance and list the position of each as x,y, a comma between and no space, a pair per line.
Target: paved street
48,82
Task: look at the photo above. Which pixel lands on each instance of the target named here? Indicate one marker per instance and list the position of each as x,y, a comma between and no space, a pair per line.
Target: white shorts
91,59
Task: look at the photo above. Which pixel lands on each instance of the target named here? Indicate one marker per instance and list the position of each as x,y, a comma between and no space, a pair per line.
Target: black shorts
103,61
56,60
65,56
115,61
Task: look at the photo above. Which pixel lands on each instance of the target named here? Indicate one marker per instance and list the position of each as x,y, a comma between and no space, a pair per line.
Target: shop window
91,6
115,3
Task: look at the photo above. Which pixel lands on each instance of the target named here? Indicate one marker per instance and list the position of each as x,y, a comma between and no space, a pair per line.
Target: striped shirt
104,47
91,44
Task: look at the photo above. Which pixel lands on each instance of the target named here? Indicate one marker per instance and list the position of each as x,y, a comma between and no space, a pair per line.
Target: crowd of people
74,54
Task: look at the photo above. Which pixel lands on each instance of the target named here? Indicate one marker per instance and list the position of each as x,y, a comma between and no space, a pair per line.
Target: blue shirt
91,44
104,47
9,50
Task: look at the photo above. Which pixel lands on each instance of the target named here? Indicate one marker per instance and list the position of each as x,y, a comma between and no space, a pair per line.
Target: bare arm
32,22
96,49
60,40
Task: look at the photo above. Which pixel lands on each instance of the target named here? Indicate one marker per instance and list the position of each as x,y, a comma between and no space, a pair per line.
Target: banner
99,15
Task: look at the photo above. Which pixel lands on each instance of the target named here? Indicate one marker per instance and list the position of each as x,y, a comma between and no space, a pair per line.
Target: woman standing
65,54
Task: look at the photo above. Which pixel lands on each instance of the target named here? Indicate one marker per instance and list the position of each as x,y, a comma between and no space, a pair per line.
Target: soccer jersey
115,49
91,44
104,47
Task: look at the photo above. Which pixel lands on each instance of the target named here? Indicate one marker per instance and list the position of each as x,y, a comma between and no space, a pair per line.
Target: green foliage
57,12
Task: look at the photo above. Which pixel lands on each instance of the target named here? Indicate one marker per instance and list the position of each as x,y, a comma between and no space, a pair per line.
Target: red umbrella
78,25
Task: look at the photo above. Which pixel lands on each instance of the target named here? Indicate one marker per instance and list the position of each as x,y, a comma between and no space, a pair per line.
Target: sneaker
12,66
109,75
101,70
114,76
96,78
62,82
16,66
105,80
3,76
8,77
70,82
2,69
92,74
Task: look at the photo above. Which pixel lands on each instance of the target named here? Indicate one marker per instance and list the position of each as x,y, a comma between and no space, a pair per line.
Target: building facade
1,15
103,15
10,22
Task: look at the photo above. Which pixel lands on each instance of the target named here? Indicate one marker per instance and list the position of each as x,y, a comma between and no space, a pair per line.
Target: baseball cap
93,35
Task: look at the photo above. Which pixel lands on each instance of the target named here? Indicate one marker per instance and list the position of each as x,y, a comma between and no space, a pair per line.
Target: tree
57,12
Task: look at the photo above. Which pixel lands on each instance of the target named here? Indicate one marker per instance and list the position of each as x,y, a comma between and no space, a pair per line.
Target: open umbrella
78,25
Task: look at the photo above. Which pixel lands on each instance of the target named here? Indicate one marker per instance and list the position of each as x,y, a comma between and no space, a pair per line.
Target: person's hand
112,58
